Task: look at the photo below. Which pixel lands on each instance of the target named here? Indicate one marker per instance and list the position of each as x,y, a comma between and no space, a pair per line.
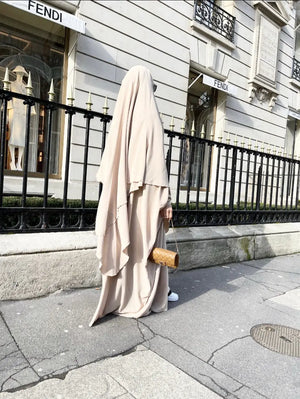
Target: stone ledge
33,265
31,243
34,275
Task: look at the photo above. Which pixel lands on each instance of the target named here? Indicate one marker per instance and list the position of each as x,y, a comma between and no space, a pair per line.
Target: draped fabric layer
141,286
135,189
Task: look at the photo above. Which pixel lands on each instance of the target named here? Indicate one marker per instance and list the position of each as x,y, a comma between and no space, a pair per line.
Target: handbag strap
175,236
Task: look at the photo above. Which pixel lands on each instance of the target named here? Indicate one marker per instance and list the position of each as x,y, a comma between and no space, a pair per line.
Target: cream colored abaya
135,189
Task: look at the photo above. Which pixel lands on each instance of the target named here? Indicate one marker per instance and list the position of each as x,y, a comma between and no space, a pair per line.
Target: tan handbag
165,257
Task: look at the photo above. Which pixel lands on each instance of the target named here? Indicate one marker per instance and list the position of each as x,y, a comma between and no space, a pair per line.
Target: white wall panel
148,14
157,34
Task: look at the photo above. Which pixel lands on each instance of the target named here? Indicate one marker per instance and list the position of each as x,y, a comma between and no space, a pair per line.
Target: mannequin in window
17,120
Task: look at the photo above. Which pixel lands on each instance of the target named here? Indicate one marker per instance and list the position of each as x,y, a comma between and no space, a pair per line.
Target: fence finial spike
6,81
172,125
105,106
182,128
51,92
29,85
161,118
193,130
235,140
202,133
70,98
89,102
228,138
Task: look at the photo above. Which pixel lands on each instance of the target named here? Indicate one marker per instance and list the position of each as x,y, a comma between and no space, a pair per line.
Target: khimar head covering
133,157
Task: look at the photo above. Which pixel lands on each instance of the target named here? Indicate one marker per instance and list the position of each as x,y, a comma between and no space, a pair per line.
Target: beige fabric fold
133,156
135,189
141,286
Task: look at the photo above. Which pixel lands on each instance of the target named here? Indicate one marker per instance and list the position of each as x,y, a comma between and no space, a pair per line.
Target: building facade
224,70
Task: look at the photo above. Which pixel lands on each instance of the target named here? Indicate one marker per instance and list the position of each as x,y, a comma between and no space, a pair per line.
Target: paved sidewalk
200,348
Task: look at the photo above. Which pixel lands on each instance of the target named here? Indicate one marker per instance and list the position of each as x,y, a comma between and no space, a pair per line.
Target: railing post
179,172
70,112
169,153
88,117
50,109
240,179
29,104
232,180
189,179
5,98
297,187
254,178
225,178
217,176
105,119
258,189
208,175
199,172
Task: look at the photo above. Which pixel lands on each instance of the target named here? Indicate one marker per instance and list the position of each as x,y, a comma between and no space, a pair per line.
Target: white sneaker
172,296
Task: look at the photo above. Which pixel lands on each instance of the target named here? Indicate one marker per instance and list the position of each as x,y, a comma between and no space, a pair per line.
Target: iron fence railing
233,184
296,69
215,18
212,182
19,214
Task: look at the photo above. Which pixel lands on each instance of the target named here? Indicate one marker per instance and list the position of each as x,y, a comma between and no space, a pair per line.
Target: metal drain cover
281,339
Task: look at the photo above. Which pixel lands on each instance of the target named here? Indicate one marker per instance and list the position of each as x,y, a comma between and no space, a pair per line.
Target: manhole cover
281,339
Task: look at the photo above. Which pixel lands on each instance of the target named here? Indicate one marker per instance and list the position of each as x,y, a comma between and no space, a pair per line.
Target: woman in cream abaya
134,204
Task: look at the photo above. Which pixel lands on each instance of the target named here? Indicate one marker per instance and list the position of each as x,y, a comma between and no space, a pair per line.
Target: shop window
200,122
29,43
291,138
292,149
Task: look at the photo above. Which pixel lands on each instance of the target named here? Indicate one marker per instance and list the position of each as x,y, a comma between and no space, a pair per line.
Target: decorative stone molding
268,22
264,94
278,11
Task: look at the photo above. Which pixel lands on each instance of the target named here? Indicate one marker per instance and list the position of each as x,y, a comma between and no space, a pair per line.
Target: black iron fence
23,211
215,18
296,69
225,184
212,182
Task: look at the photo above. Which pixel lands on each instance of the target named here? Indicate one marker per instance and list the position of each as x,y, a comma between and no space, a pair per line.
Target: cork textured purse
164,257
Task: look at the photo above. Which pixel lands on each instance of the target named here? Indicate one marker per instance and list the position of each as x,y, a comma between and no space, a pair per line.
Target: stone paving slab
291,299
53,335
205,336
139,375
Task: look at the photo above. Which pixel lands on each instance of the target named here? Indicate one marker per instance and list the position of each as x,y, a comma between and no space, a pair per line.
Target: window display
200,121
35,46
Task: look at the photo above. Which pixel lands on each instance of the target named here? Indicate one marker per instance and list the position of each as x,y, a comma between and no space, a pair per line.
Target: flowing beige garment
135,189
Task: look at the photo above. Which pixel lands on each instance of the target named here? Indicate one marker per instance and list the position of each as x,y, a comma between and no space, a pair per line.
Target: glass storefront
29,43
200,122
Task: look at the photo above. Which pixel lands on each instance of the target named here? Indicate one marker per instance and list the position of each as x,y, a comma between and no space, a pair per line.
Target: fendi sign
218,84
48,12
44,11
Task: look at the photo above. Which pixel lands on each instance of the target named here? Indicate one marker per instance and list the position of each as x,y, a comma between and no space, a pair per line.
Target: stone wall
33,265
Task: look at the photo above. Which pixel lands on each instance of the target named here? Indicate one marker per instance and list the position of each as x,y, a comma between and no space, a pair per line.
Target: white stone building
231,75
